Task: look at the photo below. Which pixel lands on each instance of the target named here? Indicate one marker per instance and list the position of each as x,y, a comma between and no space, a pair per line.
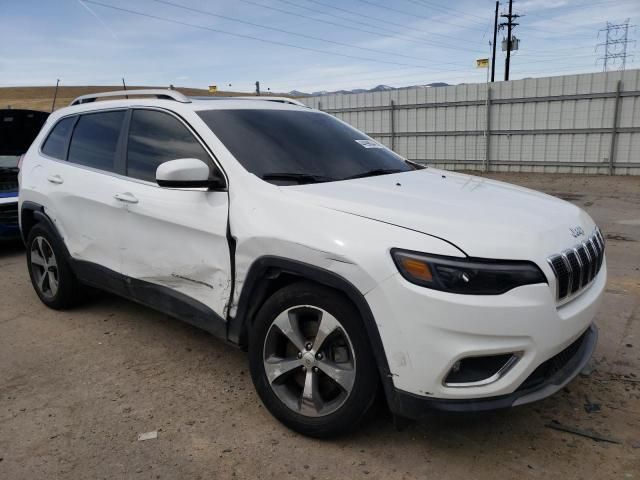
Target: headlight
475,276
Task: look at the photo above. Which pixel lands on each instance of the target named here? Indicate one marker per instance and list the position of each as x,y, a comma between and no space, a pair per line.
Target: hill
379,88
41,98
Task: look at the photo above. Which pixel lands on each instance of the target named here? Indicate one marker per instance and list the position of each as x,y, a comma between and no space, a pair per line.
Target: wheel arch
32,214
270,273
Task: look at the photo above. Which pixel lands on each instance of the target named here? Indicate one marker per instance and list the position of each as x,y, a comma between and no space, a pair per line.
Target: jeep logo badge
576,231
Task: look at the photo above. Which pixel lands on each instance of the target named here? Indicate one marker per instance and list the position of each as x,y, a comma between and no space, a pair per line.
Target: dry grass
41,98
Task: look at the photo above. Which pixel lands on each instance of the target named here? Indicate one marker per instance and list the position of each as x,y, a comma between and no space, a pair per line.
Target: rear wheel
311,361
50,274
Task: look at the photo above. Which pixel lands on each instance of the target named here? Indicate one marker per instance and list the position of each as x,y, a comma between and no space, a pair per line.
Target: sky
306,45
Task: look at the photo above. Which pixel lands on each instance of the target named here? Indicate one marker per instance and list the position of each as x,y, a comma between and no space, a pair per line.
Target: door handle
56,179
126,197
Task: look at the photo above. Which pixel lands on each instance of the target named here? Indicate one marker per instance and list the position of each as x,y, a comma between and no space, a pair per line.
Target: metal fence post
392,122
614,130
487,130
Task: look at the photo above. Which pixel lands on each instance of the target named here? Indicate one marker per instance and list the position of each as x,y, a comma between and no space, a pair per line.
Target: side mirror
188,173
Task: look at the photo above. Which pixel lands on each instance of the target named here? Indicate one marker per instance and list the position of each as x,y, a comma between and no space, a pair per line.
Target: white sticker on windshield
370,144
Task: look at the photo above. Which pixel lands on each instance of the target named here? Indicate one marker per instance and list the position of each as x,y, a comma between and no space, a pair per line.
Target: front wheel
311,361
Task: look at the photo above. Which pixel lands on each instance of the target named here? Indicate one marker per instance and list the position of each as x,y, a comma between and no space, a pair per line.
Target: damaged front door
173,238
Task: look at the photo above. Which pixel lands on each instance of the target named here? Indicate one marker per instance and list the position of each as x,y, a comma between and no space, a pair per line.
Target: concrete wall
551,124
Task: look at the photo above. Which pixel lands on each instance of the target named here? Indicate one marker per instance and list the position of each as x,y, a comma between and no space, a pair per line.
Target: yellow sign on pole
482,63
213,88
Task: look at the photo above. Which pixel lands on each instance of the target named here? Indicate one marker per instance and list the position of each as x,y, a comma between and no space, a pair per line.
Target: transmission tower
615,45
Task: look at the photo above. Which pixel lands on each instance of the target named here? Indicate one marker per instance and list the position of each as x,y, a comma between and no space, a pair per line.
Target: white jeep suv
339,265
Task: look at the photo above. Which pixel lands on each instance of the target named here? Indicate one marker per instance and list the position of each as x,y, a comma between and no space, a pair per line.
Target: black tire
68,291
362,393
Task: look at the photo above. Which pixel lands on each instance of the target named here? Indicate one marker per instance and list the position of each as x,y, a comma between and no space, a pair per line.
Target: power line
551,50
381,20
414,15
563,58
430,5
251,37
302,35
399,34
406,38
576,7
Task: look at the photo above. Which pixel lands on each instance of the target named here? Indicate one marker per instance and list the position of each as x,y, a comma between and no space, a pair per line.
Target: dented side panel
355,248
82,206
177,239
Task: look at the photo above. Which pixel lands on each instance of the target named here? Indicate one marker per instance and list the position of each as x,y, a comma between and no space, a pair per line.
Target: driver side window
157,137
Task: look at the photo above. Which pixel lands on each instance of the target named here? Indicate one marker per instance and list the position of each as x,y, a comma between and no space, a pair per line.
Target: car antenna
55,95
124,86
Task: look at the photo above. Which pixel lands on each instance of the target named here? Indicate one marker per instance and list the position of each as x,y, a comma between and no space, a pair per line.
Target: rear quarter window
56,143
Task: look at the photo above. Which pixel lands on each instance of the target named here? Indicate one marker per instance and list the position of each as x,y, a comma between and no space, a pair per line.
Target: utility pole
258,88
495,39
615,45
510,24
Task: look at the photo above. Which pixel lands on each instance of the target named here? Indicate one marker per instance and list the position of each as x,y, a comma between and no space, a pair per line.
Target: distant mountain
379,88
298,93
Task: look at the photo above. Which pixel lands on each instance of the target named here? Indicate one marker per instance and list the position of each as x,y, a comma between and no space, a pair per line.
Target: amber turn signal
418,269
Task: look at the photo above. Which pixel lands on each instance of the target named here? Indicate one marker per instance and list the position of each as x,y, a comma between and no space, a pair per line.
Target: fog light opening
480,371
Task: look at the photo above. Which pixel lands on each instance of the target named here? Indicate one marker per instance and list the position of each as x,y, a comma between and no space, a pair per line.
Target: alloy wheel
44,267
309,360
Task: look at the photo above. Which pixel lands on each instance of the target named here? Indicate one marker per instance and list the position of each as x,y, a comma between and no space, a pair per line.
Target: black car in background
18,128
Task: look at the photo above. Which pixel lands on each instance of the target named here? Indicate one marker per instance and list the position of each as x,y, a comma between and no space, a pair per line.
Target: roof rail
268,98
164,94
265,98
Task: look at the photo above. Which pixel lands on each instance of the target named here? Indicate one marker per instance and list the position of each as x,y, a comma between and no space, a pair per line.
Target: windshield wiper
9,169
298,177
374,172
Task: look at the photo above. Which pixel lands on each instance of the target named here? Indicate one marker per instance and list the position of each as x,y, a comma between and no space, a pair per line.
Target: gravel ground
77,387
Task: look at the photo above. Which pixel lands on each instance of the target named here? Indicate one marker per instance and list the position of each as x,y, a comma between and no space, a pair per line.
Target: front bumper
425,332
546,380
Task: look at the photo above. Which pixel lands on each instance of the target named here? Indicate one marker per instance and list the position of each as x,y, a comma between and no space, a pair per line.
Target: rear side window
157,137
56,143
95,140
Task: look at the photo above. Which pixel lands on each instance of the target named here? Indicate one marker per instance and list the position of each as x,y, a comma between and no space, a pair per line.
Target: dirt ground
77,387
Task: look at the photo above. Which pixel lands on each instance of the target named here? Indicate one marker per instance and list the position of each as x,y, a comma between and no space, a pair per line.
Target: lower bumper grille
552,366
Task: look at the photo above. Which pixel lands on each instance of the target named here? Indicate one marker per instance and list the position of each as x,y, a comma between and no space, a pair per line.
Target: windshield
293,146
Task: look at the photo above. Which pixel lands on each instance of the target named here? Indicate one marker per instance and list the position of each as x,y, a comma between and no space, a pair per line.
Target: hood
483,218
18,129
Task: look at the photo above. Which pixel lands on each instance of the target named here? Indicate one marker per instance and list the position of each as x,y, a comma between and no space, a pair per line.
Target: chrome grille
576,267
